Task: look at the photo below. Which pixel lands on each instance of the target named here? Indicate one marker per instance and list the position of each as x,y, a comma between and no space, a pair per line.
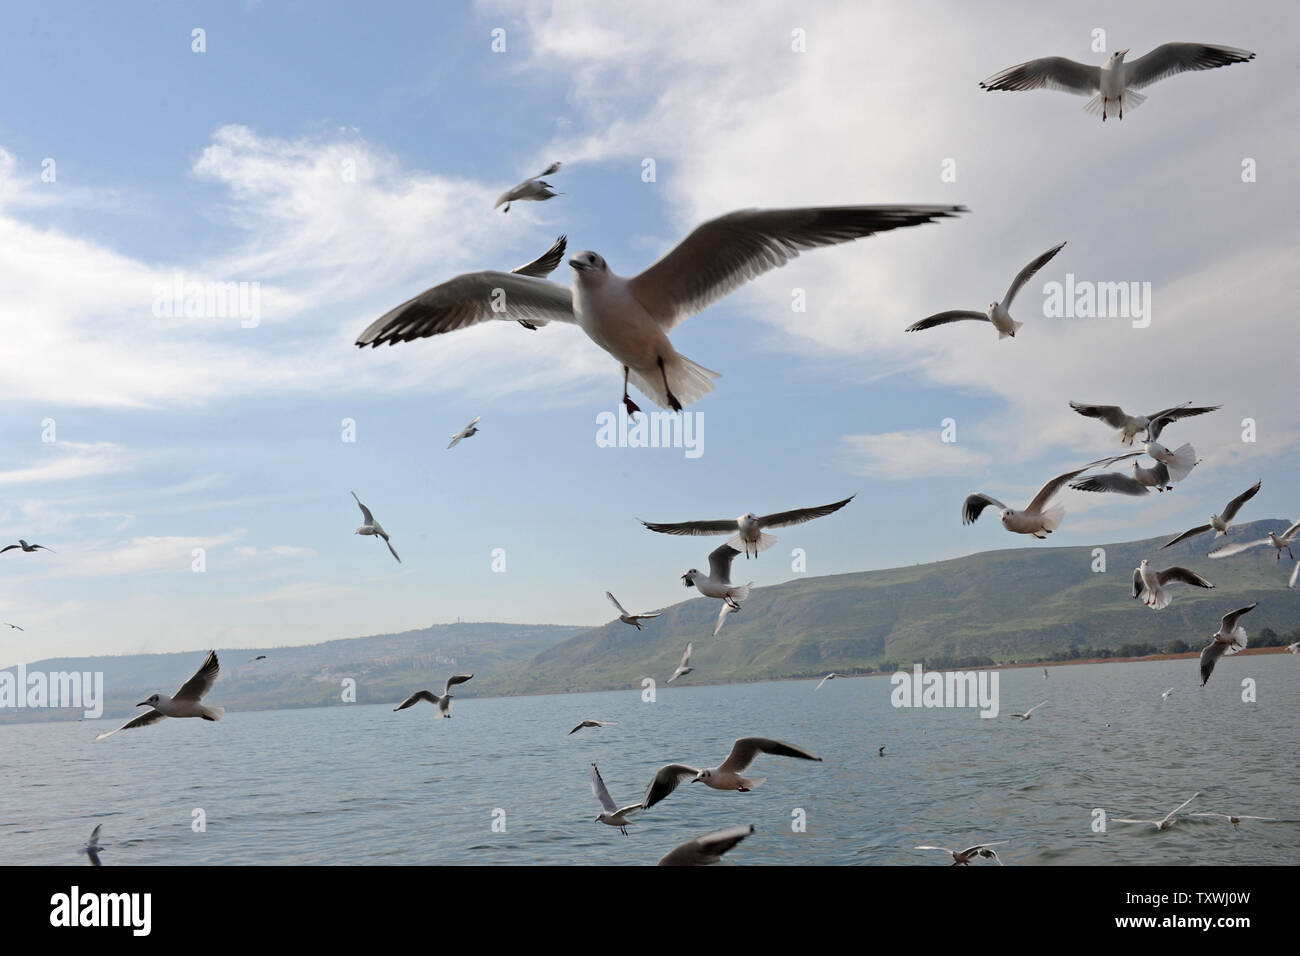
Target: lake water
358,784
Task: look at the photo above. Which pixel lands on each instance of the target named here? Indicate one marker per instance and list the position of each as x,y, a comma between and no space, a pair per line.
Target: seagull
259,657
1230,638
1294,648
1033,519
185,703
1219,524
1115,82
532,189
963,857
613,815
1139,483
1149,584
1165,822
1044,673
26,547
831,676
1026,714
684,667
998,312
633,619
443,703
1165,694
717,583
92,848
881,751
14,626
708,849
1131,425
631,318
1234,819
373,527
465,432
747,530
1178,462
725,776
1281,542
591,723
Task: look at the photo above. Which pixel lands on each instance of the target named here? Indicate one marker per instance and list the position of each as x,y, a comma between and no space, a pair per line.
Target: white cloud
909,456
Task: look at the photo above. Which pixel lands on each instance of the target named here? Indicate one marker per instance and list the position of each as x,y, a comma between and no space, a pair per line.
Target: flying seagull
1165,822
1294,648
717,583
1132,425
185,703
591,723
259,657
831,676
1026,714
26,547
631,318
725,776
1139,483
633,619
1230,638
1149,584
1219,524
1282,542
747,530
14,626
998,313
1234,819
708,849
532,189
373,527
1036,519
465,432
92,849
1165,695
612,815
1116,82
684,667
443,703
963,857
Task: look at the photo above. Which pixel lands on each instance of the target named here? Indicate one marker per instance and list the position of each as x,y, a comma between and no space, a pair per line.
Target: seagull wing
1190,533
723,254
1138,586
391,549
550,170
974,504
467,300
646,616
1052,487
367,517
1027,273
546,263
415,698
1112,481
455,679
94,835
708,849
944,318
686,658
944,848
94,856
666,781
1112,415
202,681
9,547
1180,806
150,716
602,792
822,681
981,846
1295,572
1182,575
1210,655
1047,73
1230,619
728,526
1235,504
1169,59
720,559
1287,535
722,617
614,601
744,750
1228,550
1027,713
783,519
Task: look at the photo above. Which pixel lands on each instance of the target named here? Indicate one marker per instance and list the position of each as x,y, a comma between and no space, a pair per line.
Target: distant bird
1132,425
684,667
880,752
747,530
465,432
372,527
1219,524
1165,695
831,676
633,619
631,317
612,815
443,703
1234,819
591,723
1230,638
1294,648
728,774
964,857
998,312
27,547
717,583
259,657
1165,822
708,849
1036,519
1150,584
185,703
92,849
1139,483
532,189
1044,673
14,626
1282,542
1116,82
1026,714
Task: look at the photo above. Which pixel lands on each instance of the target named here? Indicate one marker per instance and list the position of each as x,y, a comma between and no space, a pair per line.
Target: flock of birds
631,318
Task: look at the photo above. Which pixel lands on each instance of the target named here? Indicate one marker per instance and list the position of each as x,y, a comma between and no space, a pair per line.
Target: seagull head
151,702
702,775
1007,515
589,266
688,578
1118,56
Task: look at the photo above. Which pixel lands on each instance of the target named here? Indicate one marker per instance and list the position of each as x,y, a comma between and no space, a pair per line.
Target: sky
339,160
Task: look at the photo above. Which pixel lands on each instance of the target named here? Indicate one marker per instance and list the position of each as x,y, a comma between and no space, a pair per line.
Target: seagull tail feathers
1052,517
1015,327
764,542
753,783
213,713
740,593
1239,641
688,380
1183,463
1161,599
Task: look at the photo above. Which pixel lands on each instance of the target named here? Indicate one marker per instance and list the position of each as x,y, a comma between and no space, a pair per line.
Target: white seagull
1026,714
633,619
443,703
1165,822
27,547
1165,695
1282,542
465,432
185,703
612,815
684,667
14,626
1150,584
1132,425
831,676
1230,638
963,857
1233,818
1139,483
591,723
998,312
1036,519
717,583
1219,524
259,657
92,849
728,774
708,849
1116,82
372,527
532,189
631,318
747,530
1294,648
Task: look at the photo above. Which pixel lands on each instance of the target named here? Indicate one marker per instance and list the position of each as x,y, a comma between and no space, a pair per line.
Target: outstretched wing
1230,619
602,792
666,781
1235,504
546,263
1228,550
614,601
367,517
783,519
1184,576
455,679
720,559
1112,415
150,716
1047,73
1112,481
415,698
708,849
1190,533
944,318
976,503
744,750
202,681
1027,273
1169,59
694,527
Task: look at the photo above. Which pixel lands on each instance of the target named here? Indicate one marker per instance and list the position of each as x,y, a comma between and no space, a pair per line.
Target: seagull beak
577,264
143,703
1123,52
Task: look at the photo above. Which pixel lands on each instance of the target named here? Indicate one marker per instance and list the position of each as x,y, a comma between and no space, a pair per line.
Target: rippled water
362,784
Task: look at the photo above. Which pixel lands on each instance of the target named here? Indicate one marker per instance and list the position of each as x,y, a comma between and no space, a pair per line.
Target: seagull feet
631,406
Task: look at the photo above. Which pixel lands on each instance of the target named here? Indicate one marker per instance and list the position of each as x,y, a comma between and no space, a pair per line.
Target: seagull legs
632,407
672,399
